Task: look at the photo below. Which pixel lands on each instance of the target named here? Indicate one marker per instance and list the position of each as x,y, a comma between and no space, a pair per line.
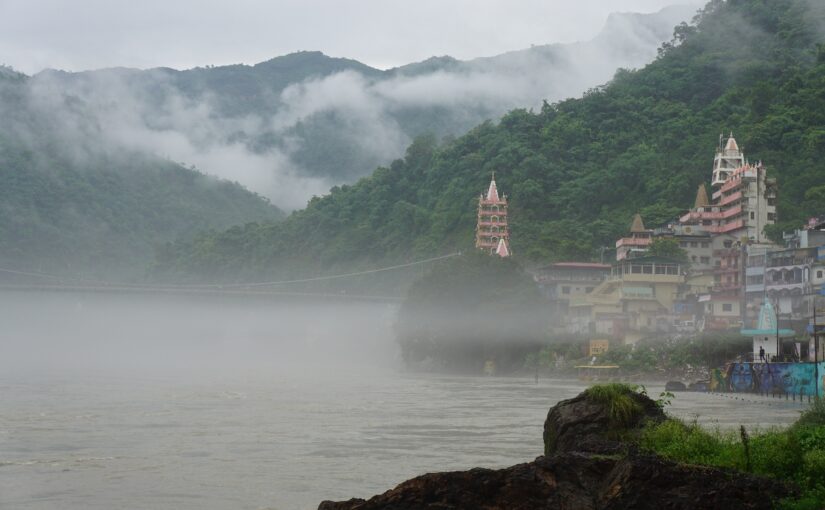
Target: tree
667,248
470,309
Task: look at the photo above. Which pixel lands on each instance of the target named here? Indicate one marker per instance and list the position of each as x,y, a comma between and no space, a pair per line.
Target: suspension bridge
30,281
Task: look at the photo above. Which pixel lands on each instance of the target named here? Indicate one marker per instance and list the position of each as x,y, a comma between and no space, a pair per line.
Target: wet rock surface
584,469
581,424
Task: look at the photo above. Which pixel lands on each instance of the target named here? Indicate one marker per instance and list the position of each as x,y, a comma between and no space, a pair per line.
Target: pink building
492,231
744,199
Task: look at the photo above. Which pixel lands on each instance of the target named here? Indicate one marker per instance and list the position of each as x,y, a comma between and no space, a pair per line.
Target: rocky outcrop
581,481
585,469
583,423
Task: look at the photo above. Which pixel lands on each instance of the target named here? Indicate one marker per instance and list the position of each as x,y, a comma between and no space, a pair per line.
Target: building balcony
699,215
571,279
755,287
499,223
733,197
484,202
722,287
755,271
487,243
787,289
633,241
788,264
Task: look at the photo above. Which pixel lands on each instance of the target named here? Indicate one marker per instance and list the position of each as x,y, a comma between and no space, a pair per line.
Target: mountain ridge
307,121
577,170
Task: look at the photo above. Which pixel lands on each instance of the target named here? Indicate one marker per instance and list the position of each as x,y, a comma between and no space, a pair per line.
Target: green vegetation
796,454
704,350
649,355
468,310
577,170
76,209
668,248
624,409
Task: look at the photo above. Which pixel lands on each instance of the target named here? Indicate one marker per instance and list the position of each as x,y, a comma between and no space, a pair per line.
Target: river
162,402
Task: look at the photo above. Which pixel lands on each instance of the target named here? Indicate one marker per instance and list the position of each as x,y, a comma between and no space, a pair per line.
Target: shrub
796,454
691,444
624,408
815,414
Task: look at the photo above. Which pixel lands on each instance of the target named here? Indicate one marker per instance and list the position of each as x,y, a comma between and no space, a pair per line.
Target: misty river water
160,402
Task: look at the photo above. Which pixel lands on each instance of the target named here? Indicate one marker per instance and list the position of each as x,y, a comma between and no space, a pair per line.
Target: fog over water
124,401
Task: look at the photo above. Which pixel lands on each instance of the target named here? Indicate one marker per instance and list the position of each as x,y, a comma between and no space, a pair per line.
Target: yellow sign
598,347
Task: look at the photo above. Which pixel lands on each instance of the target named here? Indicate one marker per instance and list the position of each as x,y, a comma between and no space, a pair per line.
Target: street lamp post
816,351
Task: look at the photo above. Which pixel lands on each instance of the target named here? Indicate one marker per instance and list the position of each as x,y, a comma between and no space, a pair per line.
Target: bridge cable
228,285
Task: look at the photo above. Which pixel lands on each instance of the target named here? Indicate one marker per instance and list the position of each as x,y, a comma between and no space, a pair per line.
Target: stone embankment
590,462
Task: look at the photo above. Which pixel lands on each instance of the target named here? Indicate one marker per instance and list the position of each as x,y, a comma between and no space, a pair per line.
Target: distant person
761,354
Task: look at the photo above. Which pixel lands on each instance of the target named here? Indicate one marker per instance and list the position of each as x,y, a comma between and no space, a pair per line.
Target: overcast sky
89,34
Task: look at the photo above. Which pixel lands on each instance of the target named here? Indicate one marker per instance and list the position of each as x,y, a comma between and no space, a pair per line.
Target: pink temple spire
502,250
492,191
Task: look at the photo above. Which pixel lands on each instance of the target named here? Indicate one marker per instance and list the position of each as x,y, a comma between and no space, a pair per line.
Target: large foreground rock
586,466
574,480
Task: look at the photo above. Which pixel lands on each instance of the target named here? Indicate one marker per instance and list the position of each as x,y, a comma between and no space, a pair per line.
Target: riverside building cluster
731,271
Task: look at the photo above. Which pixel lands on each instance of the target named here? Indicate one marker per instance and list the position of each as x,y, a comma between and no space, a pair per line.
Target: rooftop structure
726,161
638,241
492,230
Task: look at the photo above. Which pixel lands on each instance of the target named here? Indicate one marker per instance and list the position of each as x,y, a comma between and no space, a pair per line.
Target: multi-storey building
743,204
744,199
722,305
636,300
564,282
756,256
696,244
788,280
492,230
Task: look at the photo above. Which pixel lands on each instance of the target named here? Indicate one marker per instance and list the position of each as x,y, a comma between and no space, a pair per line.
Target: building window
565,290
727,307
694,244
705,244
683,244
693,258
819,275
771,216
704,260
589,289
728,244
771,201
753,215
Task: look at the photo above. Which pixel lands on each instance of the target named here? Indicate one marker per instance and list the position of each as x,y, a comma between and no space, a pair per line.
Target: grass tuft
620,399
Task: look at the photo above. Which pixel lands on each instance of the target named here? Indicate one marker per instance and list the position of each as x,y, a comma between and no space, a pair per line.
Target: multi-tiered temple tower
492,231
743,201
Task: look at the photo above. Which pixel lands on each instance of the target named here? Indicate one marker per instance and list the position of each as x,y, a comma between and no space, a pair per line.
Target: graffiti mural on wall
793,378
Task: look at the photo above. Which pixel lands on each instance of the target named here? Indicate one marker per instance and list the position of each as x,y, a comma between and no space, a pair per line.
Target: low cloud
366,120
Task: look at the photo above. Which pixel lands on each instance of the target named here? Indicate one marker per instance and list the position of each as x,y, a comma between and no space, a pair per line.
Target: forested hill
296,125
70,205
575,171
